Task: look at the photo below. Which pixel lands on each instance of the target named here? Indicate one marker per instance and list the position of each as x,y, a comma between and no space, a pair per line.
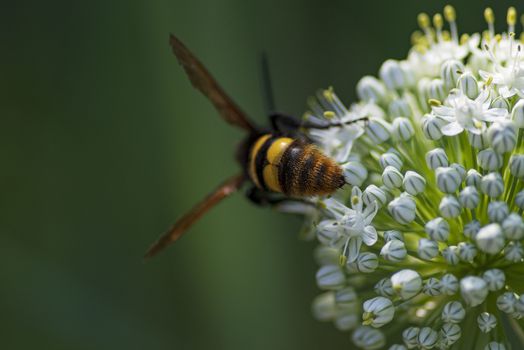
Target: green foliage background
104,143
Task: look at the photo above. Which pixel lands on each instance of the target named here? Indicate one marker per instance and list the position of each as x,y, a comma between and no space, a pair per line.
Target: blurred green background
104,144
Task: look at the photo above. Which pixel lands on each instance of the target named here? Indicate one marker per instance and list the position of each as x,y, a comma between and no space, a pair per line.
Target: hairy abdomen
292,167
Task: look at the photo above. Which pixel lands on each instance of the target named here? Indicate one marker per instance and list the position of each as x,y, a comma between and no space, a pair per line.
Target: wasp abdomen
292,167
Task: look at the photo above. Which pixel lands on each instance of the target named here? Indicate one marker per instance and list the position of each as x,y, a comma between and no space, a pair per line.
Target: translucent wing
225,189
203,81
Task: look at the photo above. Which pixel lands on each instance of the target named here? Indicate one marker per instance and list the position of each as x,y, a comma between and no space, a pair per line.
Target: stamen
450,16
329,114
438,22
434,103
449,13
511,18
489,16
464,39
424,24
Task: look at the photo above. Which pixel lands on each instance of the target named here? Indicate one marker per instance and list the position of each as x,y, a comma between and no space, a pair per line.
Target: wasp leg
279,202
263,198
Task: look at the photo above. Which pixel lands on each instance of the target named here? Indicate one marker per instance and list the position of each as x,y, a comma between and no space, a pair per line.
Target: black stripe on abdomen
288,166
261,161
305,171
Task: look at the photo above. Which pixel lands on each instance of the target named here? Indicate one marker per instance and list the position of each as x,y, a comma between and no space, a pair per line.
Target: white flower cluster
435,163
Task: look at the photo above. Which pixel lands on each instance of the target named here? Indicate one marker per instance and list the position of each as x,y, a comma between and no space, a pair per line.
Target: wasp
279,162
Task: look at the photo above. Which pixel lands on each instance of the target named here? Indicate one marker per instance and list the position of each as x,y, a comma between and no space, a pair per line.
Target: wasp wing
204,81
177,230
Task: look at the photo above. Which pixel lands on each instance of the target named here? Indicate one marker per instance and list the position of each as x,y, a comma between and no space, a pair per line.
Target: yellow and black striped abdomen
292,167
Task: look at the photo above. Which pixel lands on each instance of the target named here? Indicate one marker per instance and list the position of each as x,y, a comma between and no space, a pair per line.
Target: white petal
452,129
354,248
369,236
370,212
443,111
494,114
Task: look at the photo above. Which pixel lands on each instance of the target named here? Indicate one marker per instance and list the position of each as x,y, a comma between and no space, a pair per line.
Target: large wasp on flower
278,163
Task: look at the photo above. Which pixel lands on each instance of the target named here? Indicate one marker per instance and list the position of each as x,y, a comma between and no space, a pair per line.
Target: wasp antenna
267,89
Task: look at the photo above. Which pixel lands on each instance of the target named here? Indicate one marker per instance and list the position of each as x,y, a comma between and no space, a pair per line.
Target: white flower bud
451,254
368,338
467,251
502,136
514,252
517,114
494,346
346,320
390,159
406,283
492,185
367,262
431,126
372,193
384,288
519,200
399,107
325,255
450,72
346,298
354,173
410,337
414,183
394,251
490,160
393,235
479,141
486,322
449,284
377,312
391,177
432,287
495,278
392,75
500,102
427,338
436,158
449,207
427,249
453,312
326,233
402,129
469,197
370,89
519,306
330,277
402,209
437,229
324,307
378,130
436,90
473,178
471,229
469,86
497,211
460,169
506,302
474,290
513,227
450,333
448,179
516,166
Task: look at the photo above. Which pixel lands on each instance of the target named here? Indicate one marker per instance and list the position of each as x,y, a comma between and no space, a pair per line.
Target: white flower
462,113
350,227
